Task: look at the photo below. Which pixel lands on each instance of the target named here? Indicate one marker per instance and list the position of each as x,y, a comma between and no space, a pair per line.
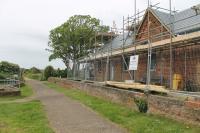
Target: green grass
27,117
26,91
23,118
134,121
36,76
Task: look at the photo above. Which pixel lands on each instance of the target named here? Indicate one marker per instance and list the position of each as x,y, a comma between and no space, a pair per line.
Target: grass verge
36,76
133,121
27,117
23,118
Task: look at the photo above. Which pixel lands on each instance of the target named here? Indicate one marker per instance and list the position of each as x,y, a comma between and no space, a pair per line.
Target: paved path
69,116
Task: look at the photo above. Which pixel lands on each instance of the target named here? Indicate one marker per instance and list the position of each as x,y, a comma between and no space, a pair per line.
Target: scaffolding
165,43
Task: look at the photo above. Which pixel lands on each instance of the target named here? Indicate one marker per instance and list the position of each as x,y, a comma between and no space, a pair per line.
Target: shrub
2,76
60,73
7,67
48,72
142,104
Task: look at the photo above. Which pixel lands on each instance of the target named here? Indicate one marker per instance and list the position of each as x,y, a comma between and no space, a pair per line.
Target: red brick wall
155,28
142,67
187,63
162,68
117,62
99,71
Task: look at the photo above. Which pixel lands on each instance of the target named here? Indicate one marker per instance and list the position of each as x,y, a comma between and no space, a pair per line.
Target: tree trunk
66,62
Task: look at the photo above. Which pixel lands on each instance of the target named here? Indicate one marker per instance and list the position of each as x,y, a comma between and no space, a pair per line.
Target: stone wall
176,108
9,91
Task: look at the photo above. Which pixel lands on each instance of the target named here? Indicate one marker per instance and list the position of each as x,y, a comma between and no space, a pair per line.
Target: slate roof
117,42
185,21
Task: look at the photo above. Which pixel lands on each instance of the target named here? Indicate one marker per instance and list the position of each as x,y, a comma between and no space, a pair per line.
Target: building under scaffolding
167,43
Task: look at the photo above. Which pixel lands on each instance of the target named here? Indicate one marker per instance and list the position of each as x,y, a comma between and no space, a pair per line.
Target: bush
142,104
48,72
60,73
7,67
64,73
2,76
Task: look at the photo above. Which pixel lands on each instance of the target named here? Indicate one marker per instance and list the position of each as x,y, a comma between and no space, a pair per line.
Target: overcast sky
25,24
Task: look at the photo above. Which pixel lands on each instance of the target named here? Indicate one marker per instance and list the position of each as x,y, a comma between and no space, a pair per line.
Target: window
126,65
153,61
99,65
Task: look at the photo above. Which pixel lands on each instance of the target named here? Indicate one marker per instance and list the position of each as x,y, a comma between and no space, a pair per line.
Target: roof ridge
159,11
190,8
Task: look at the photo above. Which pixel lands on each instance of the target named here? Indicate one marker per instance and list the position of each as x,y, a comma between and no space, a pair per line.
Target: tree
35,70
64,73
7,67
48,72
60,73
73,39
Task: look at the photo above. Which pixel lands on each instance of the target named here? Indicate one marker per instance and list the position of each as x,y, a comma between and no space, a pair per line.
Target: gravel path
69,116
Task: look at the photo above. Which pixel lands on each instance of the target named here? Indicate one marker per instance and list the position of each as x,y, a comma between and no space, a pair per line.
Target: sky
25,24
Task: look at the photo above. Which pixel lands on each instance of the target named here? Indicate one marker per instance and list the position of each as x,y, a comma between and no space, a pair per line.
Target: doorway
112,71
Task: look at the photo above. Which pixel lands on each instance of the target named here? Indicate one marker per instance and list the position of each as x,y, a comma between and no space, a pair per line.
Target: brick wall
156,29
187,109
100,67
186,62
117,64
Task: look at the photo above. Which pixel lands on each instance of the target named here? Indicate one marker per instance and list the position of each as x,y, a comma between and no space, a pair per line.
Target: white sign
133,62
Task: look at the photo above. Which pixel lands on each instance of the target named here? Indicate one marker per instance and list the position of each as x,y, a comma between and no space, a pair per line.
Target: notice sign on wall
133,64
